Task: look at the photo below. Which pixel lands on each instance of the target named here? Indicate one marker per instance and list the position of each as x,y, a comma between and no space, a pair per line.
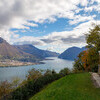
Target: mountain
71,53
41,54
47,53
26,53
7,50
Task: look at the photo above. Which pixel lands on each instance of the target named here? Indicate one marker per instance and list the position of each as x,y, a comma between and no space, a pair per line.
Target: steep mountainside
50,54
35,51
26,53
7,50
71,53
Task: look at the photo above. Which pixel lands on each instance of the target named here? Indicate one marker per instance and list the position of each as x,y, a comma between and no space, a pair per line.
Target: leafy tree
5,88
93,41
53,71
31,87
93,37
85,60
93,58
64,72
33,74
15,82
88,60
78,64
48,72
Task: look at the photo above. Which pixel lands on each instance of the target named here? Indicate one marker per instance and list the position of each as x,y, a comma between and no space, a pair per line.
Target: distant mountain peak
39,53
71,53
26,52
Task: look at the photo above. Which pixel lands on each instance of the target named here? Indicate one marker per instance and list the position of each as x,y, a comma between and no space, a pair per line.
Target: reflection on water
8,73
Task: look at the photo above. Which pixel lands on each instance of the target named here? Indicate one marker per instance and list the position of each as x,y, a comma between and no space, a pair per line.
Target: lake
9,73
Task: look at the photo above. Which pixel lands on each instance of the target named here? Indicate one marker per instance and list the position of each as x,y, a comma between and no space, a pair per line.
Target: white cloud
31,24
15,13
29,40
80,18
64,37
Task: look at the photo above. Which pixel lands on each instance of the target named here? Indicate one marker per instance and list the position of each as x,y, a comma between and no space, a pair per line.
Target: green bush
32,87
35,82
5,89
64,72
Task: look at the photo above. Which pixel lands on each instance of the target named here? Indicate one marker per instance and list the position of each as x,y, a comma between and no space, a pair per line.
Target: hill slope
71,87
35,51
8,51
71,53
26,53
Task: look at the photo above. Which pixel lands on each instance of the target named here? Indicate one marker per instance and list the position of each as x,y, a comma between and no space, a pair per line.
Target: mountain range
71,53
29,53
26,53
38,53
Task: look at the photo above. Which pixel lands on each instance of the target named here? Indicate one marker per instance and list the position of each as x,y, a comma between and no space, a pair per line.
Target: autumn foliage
88,60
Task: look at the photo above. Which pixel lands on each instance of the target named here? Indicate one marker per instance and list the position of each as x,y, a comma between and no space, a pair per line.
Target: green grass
71,87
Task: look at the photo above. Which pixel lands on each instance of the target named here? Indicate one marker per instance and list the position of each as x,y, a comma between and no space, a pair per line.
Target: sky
53,25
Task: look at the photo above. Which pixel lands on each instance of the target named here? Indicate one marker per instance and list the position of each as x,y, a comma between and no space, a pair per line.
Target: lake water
9,73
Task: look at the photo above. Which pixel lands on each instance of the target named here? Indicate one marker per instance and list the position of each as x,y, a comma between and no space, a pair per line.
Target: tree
15,82
93,41
88,60
78,64
33,74
85,59
93,37
64,72
93,59
5,88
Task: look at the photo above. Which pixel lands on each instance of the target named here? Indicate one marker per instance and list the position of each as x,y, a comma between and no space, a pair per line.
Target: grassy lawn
71,87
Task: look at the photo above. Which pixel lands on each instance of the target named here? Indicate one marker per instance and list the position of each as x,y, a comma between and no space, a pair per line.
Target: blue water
9,73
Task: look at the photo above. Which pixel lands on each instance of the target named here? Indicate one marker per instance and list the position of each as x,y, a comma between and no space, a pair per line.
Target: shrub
49,72
35,82
33,74
32,87
64,72
5,89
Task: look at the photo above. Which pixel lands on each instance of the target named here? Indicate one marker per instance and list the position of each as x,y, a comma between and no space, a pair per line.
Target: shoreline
18,64
15,63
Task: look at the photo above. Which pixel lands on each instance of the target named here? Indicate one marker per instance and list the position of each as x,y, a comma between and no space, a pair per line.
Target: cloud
18,13
29,40
77,35
79,18
59,41
31,24
65,40
70,39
